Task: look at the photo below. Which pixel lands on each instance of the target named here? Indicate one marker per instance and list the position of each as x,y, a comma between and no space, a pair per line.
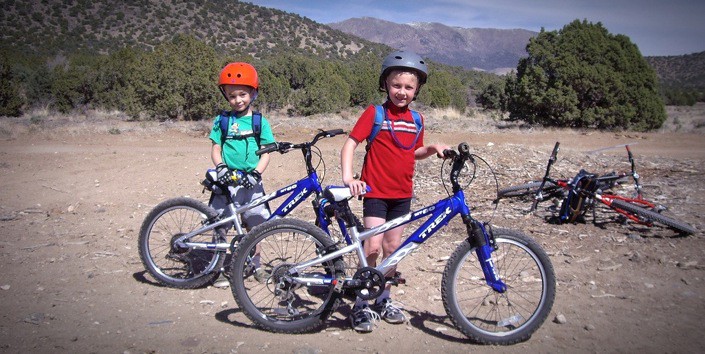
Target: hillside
486,49
237,29
685,71
64,26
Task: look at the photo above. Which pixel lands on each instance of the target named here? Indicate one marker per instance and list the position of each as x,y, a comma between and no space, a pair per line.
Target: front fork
483,241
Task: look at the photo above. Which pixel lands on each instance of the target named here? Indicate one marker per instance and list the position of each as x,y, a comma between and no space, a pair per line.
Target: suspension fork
483,241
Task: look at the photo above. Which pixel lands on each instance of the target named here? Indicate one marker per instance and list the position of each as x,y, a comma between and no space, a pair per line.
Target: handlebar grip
449,153
464,148
335,132
554,153
629,153
267,149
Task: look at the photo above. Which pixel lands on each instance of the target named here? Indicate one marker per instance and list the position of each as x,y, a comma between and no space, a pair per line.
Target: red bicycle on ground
579,195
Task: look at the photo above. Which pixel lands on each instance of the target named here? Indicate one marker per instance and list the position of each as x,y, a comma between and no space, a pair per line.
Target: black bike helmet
403,60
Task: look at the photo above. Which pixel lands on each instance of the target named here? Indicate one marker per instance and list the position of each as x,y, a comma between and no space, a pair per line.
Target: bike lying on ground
498,286
183,242
579,195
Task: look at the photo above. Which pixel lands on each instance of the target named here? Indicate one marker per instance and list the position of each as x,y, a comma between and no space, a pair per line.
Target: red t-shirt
388,168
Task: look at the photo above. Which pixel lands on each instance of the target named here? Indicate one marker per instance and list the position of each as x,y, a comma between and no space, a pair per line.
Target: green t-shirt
239,153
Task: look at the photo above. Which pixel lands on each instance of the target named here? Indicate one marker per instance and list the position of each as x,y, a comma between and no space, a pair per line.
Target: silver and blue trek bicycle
498,285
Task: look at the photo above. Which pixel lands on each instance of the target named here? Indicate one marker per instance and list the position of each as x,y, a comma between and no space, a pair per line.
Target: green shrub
582,76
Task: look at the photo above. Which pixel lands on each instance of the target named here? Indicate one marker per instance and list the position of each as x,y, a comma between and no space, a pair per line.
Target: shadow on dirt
140,277
226,315
434,325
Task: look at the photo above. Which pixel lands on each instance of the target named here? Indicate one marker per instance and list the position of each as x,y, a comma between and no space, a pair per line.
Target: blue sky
657,27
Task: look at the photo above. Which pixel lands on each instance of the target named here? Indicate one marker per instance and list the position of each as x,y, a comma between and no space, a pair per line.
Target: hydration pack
256,127
380,117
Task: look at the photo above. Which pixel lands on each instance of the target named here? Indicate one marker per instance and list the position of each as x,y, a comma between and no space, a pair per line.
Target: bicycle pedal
396,279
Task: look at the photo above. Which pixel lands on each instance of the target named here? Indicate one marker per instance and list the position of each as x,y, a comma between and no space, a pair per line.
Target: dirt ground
72,201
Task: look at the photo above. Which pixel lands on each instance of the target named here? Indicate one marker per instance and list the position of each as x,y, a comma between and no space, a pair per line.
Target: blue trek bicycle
183,242
498,286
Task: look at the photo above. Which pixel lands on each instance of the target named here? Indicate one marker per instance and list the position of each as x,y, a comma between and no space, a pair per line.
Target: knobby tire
274,304
528,190
653,216
173,267
489,317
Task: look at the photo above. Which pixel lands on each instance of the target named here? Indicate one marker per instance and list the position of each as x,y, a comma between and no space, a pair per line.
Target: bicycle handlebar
539,192
284,147
463,151
635,176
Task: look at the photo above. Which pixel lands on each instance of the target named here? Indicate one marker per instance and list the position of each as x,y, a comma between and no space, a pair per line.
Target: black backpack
579,198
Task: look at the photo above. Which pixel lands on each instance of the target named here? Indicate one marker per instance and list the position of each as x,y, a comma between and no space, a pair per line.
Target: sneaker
261,275
363,318
389,312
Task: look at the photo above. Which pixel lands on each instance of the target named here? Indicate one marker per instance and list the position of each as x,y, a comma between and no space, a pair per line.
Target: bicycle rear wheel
490,317
278,304
528,190
169,264
652,216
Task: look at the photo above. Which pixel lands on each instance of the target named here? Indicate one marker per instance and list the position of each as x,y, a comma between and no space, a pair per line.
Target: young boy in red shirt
388,169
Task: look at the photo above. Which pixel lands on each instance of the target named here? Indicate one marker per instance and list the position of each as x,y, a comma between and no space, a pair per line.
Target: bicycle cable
473,157
315,150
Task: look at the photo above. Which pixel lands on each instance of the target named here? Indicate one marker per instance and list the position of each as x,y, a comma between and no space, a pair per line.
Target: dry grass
685,118
49,124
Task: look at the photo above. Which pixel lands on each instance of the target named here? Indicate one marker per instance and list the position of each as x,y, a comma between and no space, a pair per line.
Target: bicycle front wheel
169,264
528,190
265,289
490,317
652,216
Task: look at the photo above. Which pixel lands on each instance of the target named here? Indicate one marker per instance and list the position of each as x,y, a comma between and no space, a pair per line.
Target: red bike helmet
239,74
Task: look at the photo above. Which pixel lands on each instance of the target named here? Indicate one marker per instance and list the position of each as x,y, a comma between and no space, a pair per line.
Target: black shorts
386,209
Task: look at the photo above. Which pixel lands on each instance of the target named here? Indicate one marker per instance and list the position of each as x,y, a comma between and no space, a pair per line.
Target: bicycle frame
297,191
439,214
607,199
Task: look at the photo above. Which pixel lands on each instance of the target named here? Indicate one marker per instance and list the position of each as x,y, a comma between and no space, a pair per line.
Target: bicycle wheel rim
179,266
502,314
273,304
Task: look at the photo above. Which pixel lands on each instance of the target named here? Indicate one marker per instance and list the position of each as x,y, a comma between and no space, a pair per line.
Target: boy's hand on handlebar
225,175
441,151
251,179
448,153
357,187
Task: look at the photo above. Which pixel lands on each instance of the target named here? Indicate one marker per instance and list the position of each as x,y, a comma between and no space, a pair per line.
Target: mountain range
487,49
496,50
61,27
